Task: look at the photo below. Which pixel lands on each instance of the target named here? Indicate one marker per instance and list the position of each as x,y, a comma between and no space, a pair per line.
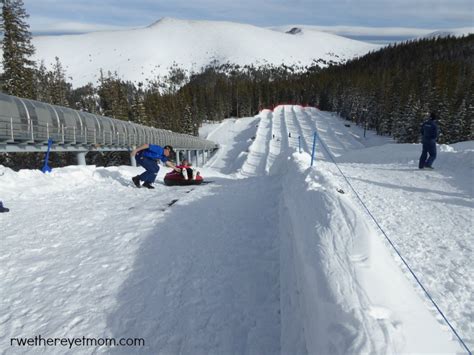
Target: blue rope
396,250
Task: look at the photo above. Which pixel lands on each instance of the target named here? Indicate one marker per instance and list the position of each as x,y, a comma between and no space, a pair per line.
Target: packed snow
273,256
143,54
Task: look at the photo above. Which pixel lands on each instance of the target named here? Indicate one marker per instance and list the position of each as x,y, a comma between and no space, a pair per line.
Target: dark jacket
429,131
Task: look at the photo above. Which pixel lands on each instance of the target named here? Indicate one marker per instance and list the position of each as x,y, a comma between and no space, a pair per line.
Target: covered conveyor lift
27,125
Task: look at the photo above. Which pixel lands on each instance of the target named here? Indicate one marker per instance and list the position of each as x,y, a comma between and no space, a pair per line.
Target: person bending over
147,156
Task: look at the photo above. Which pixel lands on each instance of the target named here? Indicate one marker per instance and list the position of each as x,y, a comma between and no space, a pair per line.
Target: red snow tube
174,178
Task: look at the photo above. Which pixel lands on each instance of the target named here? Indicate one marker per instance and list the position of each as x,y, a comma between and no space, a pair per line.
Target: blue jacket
429,131
155,152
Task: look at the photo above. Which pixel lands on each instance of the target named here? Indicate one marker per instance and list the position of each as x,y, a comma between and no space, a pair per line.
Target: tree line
393,89
390,90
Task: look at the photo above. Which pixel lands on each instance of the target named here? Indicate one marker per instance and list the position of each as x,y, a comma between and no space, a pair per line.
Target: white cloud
85,14
44,25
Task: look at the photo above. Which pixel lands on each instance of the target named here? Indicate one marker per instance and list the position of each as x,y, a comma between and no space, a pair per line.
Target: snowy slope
456,32
144,53
268,259
378,32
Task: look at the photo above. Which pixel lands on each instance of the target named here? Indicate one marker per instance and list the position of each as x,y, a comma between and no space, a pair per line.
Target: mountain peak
294,31
164,20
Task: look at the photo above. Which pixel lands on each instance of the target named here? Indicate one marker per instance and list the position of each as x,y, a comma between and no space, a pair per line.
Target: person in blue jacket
147,156
429,132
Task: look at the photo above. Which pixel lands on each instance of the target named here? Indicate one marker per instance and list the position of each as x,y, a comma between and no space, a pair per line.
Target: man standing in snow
429,132
147,156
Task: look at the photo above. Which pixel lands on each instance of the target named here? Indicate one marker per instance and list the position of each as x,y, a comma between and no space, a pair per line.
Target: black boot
3,209
136,181
148,185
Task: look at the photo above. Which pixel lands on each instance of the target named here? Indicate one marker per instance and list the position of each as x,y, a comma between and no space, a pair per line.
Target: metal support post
133,162
81,158
196,156
314,148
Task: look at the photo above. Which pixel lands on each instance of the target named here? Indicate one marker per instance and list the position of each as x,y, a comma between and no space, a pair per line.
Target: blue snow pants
429,147
150,166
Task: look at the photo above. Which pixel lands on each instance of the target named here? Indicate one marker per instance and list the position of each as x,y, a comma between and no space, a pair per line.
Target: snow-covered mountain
143,53
456,32
378,34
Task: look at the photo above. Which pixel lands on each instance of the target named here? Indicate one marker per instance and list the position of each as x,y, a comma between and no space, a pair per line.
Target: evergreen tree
51,85
138,110
17,50
42,83
58,85
85,99
113,94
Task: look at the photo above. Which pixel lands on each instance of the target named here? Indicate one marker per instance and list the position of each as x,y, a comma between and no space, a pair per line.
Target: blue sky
78,16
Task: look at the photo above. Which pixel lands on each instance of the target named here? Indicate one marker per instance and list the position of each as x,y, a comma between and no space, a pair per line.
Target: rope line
396,250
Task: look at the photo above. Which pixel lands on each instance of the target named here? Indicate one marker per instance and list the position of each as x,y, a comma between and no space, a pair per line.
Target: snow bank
344,282
315,248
